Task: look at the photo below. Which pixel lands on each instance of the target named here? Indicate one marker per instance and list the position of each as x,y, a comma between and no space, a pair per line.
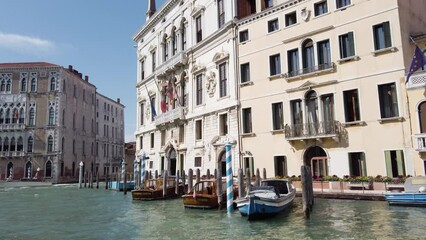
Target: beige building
47,122
322,83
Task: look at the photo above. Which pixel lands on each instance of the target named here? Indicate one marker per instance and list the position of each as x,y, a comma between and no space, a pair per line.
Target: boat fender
422,189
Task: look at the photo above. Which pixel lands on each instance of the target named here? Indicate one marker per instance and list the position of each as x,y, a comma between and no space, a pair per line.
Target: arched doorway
28,169
222,163
48,169
316,158
9,170
172,161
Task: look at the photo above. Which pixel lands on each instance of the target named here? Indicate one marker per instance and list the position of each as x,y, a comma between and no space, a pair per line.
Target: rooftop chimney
118,100
70,67
86,78
151,9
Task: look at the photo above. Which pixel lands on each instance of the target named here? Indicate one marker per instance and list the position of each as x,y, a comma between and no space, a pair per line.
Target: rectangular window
223,80
268,3
388,101
163,138
320,8
280,166
382,36
245,72
182,134
151,164
198,29
141,142
154,65
395,165
327,102
152,140
273,25
293,62
197,162
248,165
198,129
347,45
153,102
199,89
342,3
324,57
357,165
223,124
351,103
142,113
274,64
247,124
290,19
244,36
220,13
277,116
142,69
296,117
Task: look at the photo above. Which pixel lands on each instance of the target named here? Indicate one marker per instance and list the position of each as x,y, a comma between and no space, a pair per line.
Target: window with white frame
342,3
247,124
382,36
290,19
198,29
388,100
223,124
199,89
274,65
223,80
320,8
347,45
50,144
197,161
293,62
277,116
351,104
245,72
198,129
273,25
220,13
24,79
244,36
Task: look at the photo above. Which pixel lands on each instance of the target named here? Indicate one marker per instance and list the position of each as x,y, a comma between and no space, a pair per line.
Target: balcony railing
311,70
177,60
12,154
170,116
417,80
313,130
13,126
421,142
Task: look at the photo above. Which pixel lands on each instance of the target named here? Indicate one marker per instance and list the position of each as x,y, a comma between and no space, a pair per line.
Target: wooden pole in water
177,183
125,183
247,181
307,191
97,180
184,181
80,175
240,183
197,176
264,173
91,179
257,182
156,174
106,181
215,174
85,179
190,176
219,189
208,173
165,184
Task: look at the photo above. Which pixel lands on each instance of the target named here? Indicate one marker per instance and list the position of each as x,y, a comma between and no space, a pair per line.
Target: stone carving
305,14
211,84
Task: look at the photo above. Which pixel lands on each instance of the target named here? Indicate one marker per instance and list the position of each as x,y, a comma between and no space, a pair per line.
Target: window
7,117
142,62
174,41
296,117
280,166
84,123
327,102
351,103
1,116
342,3
33,84
197,162
153,58
31,117
244,36
20,145
221,13
21,116
199,89
198,29
290,19
308,59
30,144
223,80
163,138
183,36
346,44
324,58
24,82
152,140
293,62
273,25
73,147
274,64
165,48
12,144
50,143
248,164
198,129
357,165
83,145
277,116
223,124
52,84
388,101
320,8
15,116
268,3
245,72
142,113
63,144
247,125
382,36
182,134
395,165
51,117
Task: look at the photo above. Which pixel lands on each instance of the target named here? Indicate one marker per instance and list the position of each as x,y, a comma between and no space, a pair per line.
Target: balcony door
422,117
316,158
312,113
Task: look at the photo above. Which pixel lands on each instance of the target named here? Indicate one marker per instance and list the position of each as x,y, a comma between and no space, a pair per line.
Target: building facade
322,83
47,122
186,86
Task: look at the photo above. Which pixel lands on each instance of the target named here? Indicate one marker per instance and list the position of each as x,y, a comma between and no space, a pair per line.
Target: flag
153,113
163,104
417,62
170,92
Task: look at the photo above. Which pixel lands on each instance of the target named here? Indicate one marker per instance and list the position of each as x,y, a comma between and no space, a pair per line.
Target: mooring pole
177,183
184,181
240,183
80,177
197,175
165,184
229,179
264,173
307,191
208,173
257,181
190,180
247,181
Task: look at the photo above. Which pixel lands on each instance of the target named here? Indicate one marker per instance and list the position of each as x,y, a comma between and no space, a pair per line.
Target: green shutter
251,166
400,162
351,43
364,165
388,164
386,29
276,166
350,164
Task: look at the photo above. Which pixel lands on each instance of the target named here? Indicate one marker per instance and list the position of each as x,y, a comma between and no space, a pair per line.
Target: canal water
66,212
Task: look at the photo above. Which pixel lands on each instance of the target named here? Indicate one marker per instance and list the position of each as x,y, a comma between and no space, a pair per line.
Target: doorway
316,158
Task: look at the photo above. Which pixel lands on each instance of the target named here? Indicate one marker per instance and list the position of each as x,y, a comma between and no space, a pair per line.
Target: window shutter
386,30
364,165
351,43
388,164
400,162
350,160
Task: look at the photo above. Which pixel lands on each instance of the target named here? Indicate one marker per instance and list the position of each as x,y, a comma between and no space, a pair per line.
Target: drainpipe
237,91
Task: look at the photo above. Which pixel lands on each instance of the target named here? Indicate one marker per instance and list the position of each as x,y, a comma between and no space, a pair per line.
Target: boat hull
202,201
406,199
149,195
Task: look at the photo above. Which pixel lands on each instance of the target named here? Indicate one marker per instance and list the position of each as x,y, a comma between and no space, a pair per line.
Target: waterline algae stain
66,212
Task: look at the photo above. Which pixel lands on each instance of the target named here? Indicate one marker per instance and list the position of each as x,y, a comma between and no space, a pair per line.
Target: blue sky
95,36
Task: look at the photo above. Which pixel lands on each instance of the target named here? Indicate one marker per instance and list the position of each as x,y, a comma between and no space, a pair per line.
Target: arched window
1,116
12,144
31,120
50,143
7,117
174,41
6,144
311,100
183,35
51,116
2,86
30,144
422,116
15,116
23,85
48,169
308,56
33,85
52,84
20,145
28,169
21,116
165,47
8,86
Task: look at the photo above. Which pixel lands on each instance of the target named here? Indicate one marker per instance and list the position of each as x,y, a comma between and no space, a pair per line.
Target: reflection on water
66,212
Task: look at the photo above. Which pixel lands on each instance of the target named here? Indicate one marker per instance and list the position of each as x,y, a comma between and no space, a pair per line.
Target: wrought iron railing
310,130
313,69
421,142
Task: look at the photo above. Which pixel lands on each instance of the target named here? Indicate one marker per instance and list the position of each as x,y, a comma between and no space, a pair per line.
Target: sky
94,36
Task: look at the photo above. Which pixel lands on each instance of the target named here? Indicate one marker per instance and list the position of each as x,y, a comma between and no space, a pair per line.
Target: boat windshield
204,187
281,186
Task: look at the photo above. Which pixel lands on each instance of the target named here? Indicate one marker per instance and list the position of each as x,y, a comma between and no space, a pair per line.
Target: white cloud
25,44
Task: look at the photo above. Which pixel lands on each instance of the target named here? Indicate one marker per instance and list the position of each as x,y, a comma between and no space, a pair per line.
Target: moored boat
414,193
204,195
271,198
153,189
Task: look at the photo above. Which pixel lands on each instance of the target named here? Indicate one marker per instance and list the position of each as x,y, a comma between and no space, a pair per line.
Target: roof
27,65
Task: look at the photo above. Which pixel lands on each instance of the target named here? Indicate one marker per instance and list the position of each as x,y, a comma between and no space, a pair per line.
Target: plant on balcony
333,178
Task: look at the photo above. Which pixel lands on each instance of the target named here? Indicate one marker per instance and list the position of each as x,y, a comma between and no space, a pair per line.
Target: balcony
317,130
311,71
417,80
12,154
12,127
420,139
170,116
171,64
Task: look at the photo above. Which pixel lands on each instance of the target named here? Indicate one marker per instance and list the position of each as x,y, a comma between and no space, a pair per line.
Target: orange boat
152,189
204,195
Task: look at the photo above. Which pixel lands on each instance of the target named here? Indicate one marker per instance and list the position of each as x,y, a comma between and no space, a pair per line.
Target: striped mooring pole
142,168
229,180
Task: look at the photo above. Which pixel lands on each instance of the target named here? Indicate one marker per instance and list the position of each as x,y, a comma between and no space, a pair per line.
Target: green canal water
66,212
